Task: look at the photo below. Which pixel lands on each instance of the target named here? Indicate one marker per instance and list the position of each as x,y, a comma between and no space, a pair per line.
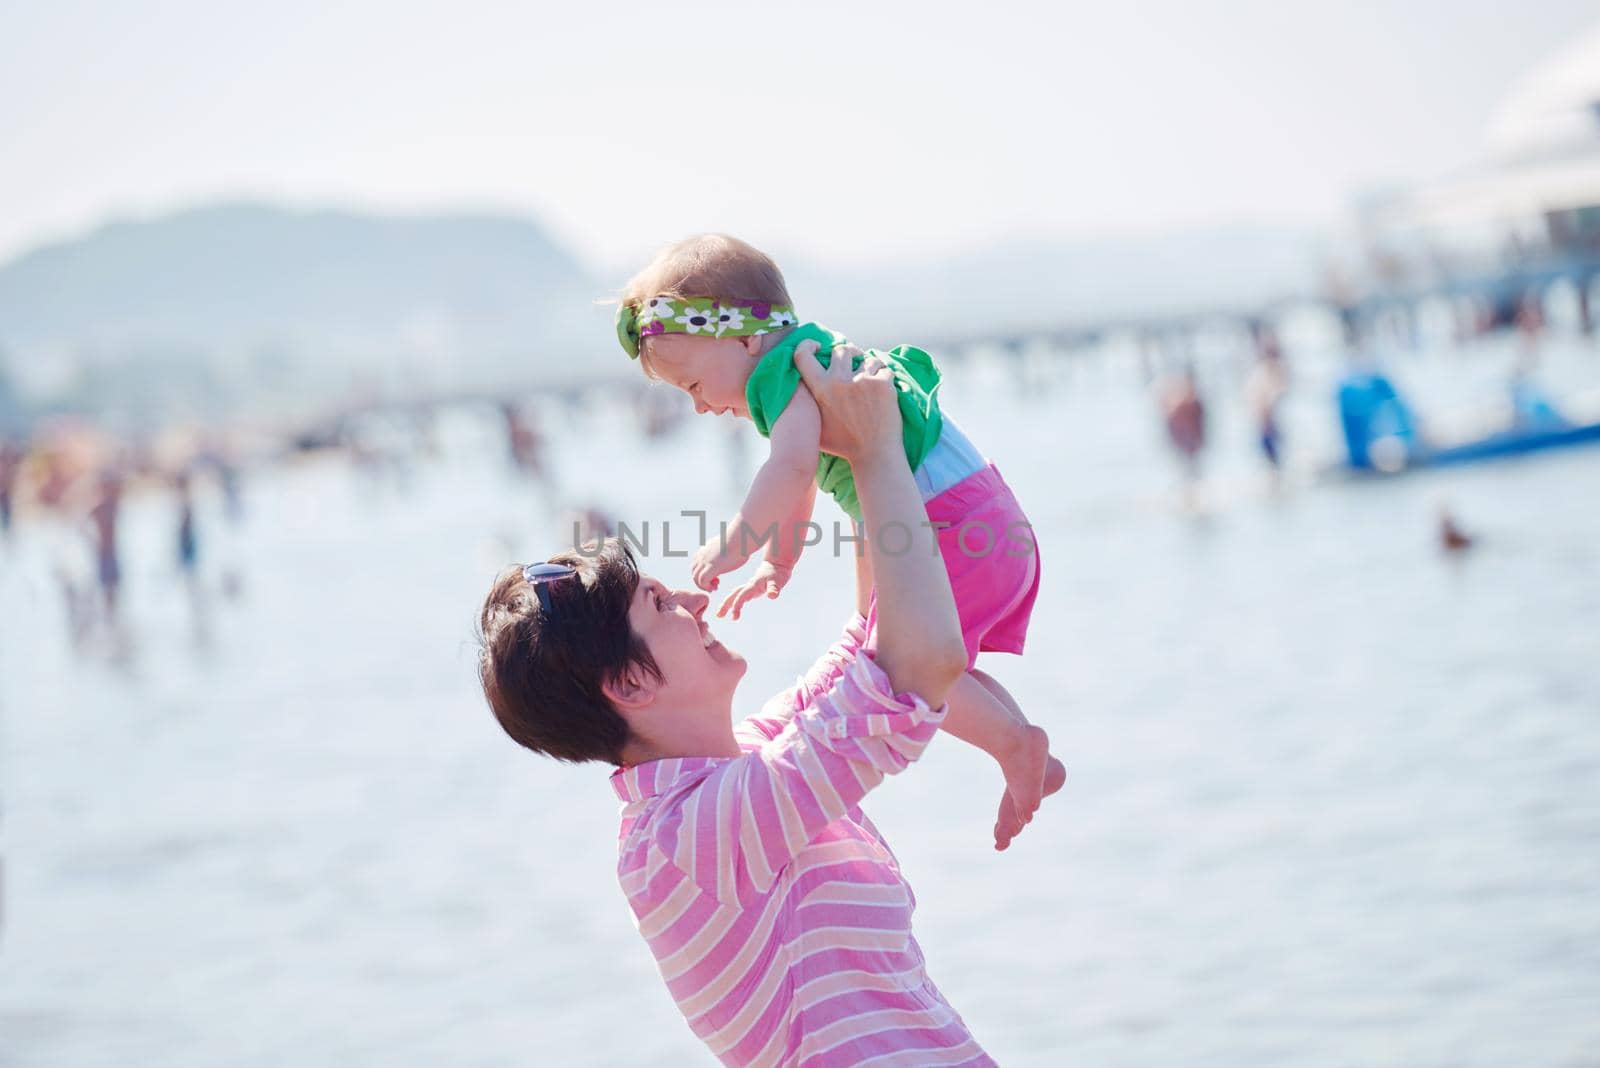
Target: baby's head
700,316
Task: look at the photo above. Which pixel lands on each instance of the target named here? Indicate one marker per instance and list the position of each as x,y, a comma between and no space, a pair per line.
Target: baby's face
713,371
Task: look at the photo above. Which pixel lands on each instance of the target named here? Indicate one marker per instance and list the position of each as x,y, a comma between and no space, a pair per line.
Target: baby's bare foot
1008,824
1024,768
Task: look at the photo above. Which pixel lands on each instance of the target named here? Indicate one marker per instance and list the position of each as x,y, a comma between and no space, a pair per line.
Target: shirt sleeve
775,378
734,833
770,388
818,679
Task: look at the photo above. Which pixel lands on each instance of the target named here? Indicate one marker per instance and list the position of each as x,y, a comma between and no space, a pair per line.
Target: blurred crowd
1525,406
75,477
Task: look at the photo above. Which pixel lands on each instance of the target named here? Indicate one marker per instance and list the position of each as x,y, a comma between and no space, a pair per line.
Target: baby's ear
753,344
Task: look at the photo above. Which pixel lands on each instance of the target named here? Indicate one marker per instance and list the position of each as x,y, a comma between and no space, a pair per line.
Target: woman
776,913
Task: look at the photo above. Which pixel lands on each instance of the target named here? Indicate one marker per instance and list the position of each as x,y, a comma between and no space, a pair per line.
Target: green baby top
775,378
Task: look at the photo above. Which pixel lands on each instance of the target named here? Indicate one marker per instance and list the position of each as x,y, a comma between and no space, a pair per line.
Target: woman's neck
713,741
644,752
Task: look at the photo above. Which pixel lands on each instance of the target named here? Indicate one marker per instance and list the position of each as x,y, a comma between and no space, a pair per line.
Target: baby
711,315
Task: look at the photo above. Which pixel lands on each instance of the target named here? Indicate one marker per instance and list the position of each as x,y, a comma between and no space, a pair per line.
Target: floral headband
697,315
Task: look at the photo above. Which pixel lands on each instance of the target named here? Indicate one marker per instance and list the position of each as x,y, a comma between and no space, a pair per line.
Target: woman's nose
701,407
696,603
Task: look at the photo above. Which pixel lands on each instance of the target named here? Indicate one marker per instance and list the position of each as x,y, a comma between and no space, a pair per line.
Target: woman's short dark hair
542,673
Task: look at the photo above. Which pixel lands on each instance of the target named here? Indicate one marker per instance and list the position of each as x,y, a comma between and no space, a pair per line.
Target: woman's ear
632,691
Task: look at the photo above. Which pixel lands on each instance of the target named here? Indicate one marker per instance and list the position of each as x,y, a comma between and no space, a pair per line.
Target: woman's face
697,669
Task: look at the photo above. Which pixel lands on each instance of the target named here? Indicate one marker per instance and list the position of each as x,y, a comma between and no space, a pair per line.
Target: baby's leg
983,714
1008,823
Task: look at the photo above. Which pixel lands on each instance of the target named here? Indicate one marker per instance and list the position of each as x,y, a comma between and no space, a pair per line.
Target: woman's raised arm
919,634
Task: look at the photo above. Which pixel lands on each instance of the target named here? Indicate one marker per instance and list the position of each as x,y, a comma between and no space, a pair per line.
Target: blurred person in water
188,554
774,908
11,456
524,442
104,518
712,316
1265,388
1183,413
188,536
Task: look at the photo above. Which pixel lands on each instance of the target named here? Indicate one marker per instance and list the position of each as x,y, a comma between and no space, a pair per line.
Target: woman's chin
725,658
723,655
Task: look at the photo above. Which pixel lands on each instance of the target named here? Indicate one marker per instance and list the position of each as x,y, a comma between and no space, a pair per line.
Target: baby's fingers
748,594
734,601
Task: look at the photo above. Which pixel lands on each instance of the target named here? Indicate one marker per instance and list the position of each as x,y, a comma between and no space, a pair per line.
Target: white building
1531,206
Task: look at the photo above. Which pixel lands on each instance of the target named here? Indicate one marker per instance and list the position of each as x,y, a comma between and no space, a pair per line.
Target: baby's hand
712,559
769,579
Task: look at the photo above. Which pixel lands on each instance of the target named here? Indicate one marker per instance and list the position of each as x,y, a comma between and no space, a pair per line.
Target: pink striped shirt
775,910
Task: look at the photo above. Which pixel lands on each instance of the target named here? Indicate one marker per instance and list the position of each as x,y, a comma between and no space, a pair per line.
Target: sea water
1333,795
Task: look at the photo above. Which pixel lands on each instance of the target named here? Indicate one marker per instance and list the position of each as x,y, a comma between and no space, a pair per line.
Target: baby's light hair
707,265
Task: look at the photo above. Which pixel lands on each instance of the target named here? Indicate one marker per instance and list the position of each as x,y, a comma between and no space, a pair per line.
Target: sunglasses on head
541,575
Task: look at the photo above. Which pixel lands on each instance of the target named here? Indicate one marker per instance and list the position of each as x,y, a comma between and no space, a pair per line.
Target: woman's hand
768,581
860,415
919,632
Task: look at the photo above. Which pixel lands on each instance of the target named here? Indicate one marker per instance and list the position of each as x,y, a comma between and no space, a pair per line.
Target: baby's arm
786,479
783,552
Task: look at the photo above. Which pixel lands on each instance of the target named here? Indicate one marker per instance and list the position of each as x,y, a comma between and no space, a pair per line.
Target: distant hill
247,304
237,292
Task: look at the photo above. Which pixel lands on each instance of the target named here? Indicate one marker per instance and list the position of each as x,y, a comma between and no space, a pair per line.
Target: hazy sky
864,130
